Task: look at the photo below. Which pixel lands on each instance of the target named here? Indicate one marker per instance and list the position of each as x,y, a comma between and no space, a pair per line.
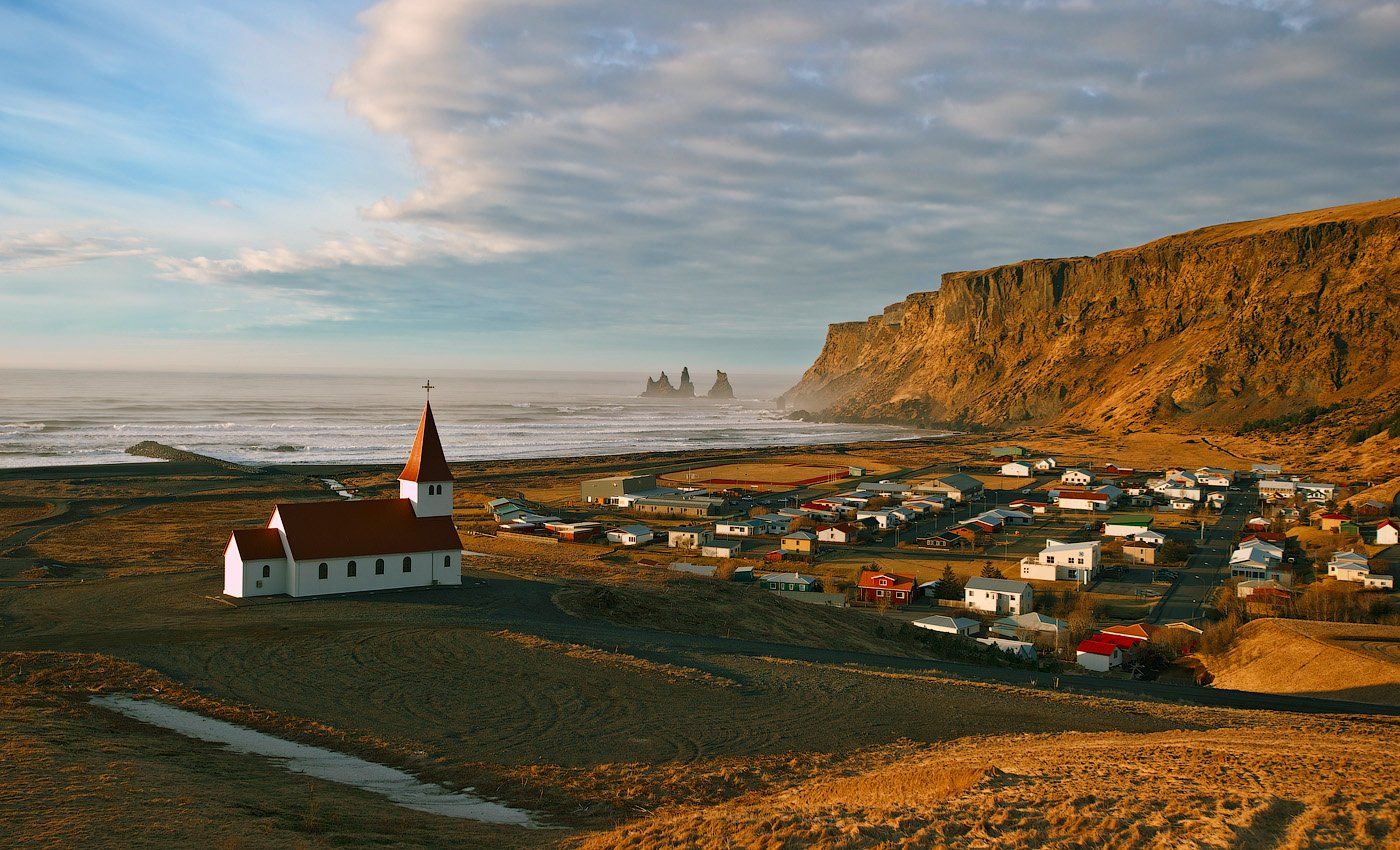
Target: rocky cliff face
721,389
1209,328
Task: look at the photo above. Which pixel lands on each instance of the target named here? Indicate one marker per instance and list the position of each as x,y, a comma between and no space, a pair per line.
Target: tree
877,503
989,570
802,523
949,587
1176,552
757,511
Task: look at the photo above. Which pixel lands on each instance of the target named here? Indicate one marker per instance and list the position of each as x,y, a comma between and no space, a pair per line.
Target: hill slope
1339,660
1208,328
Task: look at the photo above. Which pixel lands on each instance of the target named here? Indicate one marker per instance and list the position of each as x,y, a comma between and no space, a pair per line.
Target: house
1378,581
1135,632
798,543
945,540
681,505
1007,451
1257,523
1046,464
741,528
1182,504
958,487
1081,500
998,595
1032,505
1140,553
1032,625
1388,533
1317,492
1078,562
1007,516
743,575
1215,500
1077,477
1278,489
577,532
1126,525
1016,469
1333,522
1353,566
1118,469
775,523
1214,476
1151,535
796,582
964,626
1265,469
1020,649
892,588
1100,656
846,532
688,537
1259,559
721,549
356,545
630,535
883,518
1267,587
607,490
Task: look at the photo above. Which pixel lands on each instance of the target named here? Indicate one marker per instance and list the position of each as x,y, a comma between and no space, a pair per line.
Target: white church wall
243,580
427,503
428,568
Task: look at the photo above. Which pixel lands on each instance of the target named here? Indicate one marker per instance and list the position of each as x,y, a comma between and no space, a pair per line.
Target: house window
350,569
447,562
407,564
324,570
379,567
267,571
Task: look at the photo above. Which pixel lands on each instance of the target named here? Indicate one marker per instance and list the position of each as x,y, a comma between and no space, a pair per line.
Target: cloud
44,249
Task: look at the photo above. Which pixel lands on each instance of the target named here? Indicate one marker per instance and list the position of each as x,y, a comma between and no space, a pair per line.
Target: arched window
350,570
432,489
447,562
324,570
379,567
407,564
267,571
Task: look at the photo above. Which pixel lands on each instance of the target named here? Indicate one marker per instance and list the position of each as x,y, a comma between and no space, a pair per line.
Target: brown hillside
1209,329
1342,660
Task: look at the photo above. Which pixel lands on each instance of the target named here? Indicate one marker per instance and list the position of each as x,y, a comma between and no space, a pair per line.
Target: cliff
1210,328
721,389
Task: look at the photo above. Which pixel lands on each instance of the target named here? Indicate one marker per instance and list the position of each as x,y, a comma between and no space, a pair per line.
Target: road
1207,569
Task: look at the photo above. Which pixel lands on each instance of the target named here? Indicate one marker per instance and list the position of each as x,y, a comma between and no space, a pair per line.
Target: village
1113,569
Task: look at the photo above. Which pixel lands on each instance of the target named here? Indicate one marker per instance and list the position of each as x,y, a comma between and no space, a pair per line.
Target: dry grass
1341,660
15,514
619,659
758,475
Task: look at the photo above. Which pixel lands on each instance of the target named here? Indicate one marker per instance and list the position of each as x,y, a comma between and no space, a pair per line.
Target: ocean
50,418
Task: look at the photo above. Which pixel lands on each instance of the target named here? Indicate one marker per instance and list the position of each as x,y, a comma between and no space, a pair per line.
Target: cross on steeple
429,387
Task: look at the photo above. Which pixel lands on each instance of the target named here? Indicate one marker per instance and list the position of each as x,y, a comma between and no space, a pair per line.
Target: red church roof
348,529
426,462
258,544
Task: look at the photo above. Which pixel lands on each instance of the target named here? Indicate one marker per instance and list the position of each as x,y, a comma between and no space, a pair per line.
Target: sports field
760,475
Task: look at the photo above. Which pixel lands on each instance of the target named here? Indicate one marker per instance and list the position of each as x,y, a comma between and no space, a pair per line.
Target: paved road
1206,570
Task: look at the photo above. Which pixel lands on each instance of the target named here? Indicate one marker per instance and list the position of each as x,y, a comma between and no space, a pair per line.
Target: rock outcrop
721,389
662,388
1209,328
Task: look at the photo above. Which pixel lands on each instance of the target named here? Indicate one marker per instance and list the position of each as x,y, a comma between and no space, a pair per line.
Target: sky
300,185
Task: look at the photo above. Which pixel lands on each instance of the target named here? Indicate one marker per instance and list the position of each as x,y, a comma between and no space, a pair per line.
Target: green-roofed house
1126,525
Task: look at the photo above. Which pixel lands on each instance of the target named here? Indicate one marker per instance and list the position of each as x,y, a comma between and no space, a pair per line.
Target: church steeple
426,480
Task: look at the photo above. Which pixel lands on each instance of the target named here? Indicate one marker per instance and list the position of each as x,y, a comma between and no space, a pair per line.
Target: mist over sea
50,418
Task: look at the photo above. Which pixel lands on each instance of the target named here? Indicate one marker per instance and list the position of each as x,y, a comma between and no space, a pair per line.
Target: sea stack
721,389
659,387
686,389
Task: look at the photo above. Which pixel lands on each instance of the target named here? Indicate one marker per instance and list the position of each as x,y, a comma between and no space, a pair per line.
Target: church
316,548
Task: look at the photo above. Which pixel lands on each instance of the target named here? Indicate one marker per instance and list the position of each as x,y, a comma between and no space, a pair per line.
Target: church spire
426,462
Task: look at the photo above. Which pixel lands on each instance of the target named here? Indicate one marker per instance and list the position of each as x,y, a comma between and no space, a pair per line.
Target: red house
885,587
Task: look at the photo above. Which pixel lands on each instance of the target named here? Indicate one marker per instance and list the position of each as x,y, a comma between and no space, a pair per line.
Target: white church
315,548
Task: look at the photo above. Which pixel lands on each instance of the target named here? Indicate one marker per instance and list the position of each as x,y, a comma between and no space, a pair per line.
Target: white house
1046,464
884,518
1077,477
1379,581
1127,526
1214,476
1388,533
964,626
350,546
689,537
1024,650
1081,500
1149,535
742,528
630,535
958,487
775,523
721,549
1063,562
1016,469
998,595
1098,655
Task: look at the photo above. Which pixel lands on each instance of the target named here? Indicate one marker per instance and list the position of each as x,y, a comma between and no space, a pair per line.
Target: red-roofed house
1136,632
1098,655
1081,500
846,532
1388,533
346,546
1333,522
879,587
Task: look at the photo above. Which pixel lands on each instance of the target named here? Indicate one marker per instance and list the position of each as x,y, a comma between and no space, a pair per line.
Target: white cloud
52,248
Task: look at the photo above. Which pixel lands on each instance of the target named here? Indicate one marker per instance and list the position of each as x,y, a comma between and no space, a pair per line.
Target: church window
324,570
447,562
350,570
408,565
267,571
379,567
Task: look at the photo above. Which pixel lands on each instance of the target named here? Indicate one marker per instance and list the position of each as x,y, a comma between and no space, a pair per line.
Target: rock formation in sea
721,389
662,388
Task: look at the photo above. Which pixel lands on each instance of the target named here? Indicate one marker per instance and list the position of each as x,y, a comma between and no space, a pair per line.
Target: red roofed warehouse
879,587
348,546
